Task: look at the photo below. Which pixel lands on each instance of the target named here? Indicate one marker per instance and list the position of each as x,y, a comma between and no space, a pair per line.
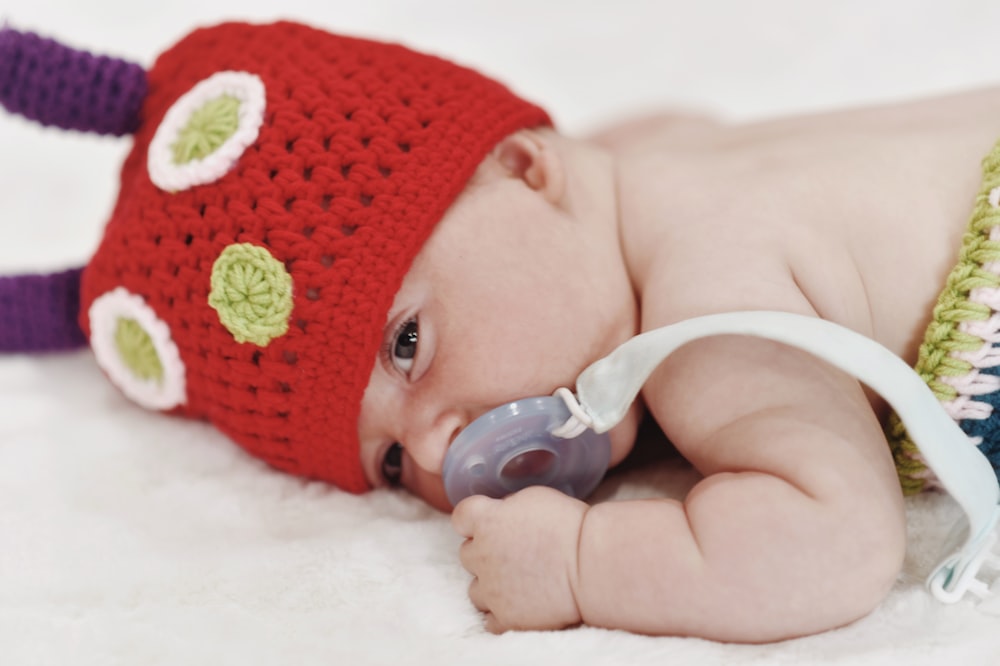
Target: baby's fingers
493,625
467,514
476,596
469,556
490,620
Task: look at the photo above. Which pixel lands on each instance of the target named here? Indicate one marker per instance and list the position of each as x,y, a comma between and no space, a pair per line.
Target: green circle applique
137,350
209,127
252,294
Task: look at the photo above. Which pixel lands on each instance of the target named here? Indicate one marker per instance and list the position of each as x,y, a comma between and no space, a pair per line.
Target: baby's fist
522,552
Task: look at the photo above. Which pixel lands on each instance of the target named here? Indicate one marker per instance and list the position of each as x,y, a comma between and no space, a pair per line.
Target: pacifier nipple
512,447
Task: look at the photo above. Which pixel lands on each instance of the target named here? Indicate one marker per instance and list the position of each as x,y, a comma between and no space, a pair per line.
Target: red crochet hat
281,182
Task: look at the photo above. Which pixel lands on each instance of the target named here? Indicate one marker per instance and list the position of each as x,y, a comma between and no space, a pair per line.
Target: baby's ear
531,157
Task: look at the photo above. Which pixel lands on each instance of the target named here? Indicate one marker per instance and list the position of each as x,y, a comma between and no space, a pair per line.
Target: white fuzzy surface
127,537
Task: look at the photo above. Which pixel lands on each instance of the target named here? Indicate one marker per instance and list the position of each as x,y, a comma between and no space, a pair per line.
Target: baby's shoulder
647,133
820,212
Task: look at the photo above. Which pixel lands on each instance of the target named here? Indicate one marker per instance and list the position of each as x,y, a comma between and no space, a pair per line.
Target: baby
842,216
342,252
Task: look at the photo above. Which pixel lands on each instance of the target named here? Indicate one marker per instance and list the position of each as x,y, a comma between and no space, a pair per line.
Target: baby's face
496,307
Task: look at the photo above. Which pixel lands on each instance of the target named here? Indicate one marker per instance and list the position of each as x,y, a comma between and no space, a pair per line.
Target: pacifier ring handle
578,421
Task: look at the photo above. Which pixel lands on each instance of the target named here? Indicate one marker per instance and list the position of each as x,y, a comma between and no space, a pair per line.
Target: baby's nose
427,445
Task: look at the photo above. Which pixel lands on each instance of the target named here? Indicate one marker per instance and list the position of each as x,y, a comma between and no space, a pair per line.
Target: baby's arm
797,527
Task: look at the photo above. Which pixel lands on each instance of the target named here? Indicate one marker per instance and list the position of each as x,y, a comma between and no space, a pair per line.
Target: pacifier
513,447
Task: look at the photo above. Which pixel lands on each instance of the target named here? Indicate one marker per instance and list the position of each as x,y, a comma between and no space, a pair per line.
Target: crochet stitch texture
960,355
361,148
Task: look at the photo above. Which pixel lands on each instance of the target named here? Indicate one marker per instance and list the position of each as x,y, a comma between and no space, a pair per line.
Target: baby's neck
592,192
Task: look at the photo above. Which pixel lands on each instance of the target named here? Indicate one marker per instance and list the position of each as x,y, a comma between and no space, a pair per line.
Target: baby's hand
522,552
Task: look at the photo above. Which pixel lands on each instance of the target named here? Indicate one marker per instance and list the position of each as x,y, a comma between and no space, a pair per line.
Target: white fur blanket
128,537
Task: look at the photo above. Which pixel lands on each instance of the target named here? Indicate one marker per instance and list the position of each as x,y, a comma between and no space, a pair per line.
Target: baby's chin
431,490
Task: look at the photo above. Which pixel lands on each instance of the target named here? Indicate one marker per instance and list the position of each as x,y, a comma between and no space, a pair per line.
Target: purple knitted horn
56,85
38,313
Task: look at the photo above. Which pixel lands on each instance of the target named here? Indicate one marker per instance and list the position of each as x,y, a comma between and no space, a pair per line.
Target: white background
127,537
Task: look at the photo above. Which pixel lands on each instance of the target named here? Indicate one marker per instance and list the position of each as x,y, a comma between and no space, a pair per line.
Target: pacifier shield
512,447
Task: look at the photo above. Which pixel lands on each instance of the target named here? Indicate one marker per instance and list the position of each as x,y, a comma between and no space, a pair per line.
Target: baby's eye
404,346
392,465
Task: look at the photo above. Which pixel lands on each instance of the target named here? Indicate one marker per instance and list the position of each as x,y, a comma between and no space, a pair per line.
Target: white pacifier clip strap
607,388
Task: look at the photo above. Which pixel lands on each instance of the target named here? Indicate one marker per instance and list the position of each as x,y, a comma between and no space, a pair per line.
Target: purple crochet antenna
57,85
53,84
39,312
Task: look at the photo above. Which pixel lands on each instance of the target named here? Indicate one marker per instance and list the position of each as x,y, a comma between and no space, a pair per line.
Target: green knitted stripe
943,338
